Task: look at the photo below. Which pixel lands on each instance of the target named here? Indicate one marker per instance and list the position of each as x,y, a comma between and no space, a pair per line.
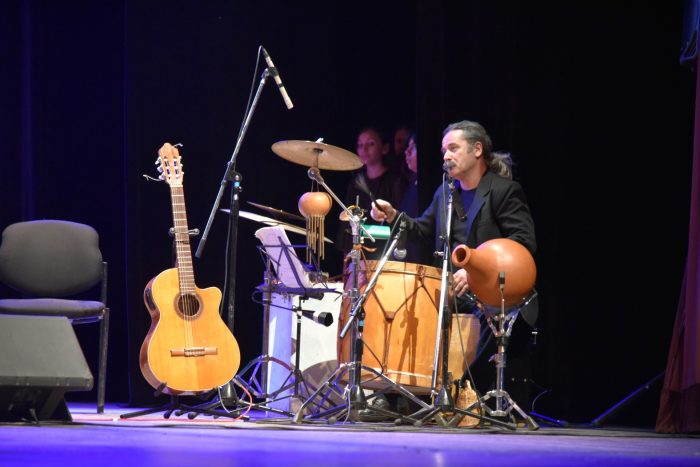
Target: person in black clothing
375,176
487,204
416,251
396,160
402,134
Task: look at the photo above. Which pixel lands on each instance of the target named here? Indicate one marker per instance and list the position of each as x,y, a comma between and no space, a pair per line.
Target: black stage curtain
588,97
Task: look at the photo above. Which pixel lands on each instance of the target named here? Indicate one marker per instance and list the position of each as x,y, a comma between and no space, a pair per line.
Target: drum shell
401,316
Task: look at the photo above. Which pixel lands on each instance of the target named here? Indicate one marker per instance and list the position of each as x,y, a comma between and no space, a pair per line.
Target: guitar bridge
193,352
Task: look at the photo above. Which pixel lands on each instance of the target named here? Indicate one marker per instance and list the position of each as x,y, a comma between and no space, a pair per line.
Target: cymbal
344,214
277,212
270,221
316,154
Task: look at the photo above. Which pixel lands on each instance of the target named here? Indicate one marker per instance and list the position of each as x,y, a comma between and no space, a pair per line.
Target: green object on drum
378,232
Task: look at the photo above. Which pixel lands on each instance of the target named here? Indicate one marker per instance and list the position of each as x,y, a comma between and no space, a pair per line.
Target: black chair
49,262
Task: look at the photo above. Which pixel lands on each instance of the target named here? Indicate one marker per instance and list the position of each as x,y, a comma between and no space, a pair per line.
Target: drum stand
353,393
504,404
443,410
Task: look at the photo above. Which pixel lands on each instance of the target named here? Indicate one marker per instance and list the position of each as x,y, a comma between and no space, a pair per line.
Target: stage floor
108,440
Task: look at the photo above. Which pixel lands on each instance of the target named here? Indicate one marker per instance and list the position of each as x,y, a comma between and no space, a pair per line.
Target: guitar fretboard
182,241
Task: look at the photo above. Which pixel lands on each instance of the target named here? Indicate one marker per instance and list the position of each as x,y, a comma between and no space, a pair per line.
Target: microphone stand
353,394
254,377
443,403
234,178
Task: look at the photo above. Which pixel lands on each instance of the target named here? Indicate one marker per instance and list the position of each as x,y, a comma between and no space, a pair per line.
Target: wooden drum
401,318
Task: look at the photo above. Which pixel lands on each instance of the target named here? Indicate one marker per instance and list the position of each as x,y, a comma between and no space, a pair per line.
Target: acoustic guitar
188,348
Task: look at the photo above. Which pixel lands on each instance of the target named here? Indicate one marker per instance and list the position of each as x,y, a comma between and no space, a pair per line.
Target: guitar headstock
170,165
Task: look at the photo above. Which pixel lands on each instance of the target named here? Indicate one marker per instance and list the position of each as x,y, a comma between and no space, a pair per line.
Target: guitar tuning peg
157,162
161,177
159,169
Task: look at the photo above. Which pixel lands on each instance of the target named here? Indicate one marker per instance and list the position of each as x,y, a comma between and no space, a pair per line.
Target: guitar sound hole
188,305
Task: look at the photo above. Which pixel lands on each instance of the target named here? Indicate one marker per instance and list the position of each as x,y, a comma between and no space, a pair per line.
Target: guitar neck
183,252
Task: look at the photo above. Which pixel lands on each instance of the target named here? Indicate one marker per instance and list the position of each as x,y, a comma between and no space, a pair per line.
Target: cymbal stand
353,393
504,404
443,404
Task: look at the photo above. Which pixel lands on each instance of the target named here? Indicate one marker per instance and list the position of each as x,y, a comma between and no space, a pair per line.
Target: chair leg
102,367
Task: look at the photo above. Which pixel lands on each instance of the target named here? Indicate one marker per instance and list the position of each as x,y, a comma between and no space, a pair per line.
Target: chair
49,262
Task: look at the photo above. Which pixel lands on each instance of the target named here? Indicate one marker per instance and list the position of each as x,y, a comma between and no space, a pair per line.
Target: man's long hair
497,162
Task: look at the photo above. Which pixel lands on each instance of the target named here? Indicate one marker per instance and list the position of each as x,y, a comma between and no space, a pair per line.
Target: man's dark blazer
499,210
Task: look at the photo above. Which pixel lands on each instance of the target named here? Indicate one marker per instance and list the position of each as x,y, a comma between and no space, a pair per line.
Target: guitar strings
182,252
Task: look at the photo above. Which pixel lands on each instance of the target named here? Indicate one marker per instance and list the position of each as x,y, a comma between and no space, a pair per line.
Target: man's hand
459,282
382,211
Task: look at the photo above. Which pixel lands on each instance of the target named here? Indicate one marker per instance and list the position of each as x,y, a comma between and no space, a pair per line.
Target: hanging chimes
314,205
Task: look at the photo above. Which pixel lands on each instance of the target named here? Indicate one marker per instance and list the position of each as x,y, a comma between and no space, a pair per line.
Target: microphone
276,75
400,252
321,317
315,174
447,165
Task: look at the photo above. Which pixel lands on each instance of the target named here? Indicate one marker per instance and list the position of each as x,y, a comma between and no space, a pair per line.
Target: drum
401,319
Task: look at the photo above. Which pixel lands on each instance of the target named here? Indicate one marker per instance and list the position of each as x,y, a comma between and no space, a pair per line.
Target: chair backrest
50,258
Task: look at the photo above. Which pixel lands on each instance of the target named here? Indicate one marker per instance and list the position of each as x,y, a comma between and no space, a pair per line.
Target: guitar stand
175,406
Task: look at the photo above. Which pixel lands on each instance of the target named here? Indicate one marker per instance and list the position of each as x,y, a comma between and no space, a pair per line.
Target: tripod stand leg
528,419
504,410
302,390
329,385
459,414
355,398
145,412
510,405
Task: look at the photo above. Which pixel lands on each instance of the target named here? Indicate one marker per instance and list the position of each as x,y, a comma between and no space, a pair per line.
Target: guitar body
188,349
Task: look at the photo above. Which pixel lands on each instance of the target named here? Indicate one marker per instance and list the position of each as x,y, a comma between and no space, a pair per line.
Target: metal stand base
294,380
504,404
507,405
444,413
355,398
175,406
248,379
